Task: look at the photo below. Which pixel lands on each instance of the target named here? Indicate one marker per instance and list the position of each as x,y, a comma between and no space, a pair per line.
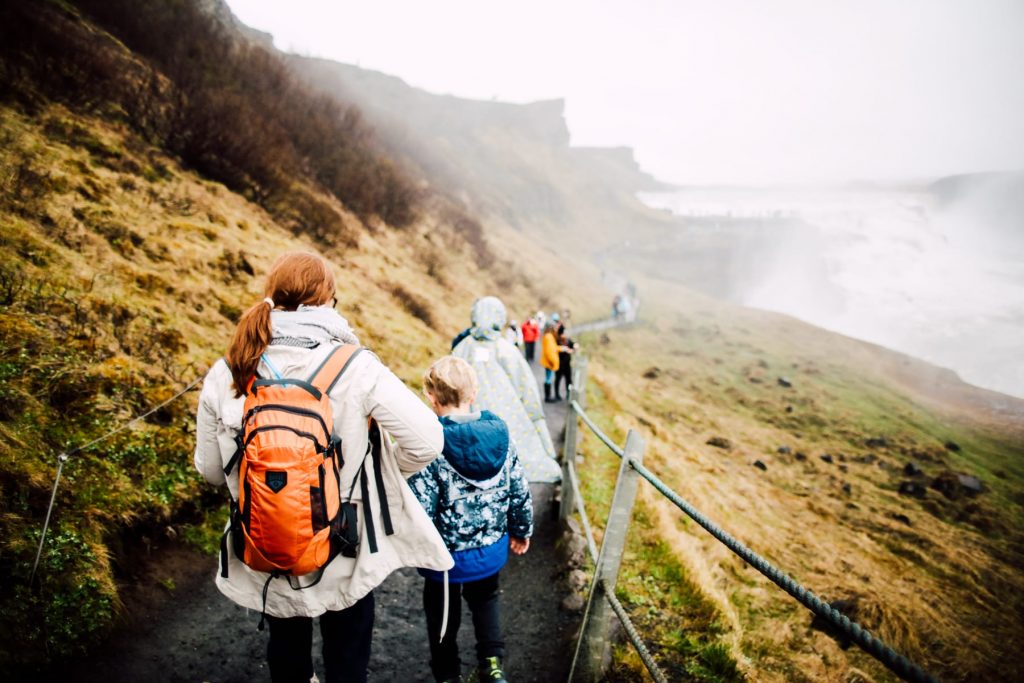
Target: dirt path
193,633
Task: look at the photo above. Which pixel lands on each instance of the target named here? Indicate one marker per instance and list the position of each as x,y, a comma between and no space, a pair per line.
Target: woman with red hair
288,335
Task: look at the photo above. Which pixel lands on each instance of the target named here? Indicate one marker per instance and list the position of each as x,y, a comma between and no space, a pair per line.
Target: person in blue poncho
508,389
480,502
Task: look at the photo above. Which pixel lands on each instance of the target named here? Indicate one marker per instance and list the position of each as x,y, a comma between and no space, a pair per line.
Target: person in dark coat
566,347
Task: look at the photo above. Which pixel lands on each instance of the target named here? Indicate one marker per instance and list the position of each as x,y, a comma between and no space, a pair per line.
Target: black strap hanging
371,532
385,510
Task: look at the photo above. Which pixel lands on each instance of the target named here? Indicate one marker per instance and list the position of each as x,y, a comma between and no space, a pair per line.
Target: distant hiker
479,499
508,389
617,307
338,502
542,319
514,335
549,359
625,309
530,333
566,349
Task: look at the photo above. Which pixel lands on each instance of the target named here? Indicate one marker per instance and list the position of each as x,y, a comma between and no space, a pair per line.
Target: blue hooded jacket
477,494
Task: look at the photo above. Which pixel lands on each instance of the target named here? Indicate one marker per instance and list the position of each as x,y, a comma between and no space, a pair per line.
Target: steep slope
844,464
124,265
513,163
127,254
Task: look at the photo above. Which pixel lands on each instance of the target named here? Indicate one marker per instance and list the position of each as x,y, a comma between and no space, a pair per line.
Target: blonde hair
451,381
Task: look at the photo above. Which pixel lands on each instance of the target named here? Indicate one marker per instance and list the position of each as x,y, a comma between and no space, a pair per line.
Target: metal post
593,652
568,504
576,393
580,381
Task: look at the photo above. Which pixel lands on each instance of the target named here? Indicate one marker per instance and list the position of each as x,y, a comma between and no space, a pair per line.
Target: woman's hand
518,546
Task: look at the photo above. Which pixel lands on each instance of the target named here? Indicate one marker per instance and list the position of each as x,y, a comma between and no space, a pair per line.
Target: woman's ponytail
252,336
295,279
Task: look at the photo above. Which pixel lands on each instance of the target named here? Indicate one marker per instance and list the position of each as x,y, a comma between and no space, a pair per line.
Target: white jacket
367,388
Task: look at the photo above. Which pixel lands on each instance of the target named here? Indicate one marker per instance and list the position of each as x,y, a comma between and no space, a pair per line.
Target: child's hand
518,546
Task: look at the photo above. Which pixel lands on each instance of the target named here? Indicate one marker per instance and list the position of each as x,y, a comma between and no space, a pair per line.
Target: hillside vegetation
126,258
812,472
511,163
146,184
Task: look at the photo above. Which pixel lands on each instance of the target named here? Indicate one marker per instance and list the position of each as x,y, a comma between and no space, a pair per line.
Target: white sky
712,91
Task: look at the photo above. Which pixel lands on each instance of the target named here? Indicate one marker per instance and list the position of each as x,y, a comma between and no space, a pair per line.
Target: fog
797,96
730,91
935,272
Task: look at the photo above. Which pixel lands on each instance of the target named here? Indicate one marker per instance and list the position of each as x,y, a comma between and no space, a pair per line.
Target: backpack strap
373,452
334,364
371,531
376,446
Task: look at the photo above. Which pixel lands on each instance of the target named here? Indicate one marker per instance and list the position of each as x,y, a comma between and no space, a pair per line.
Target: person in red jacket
530,333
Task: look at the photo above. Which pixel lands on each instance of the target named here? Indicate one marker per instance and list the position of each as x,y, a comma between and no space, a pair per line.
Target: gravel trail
190,632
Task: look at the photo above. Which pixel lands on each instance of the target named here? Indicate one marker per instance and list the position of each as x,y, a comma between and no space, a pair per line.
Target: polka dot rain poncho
509,390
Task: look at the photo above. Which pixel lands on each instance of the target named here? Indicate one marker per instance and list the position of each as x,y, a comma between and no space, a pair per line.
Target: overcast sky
712,91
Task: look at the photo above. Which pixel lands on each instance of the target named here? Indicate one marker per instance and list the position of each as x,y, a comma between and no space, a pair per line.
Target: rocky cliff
510,161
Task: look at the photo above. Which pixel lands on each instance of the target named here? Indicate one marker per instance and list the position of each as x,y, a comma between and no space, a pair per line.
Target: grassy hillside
937,576
124,266
136,225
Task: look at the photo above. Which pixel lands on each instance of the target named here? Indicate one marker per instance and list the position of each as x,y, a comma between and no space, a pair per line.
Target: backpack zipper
299,432
289,409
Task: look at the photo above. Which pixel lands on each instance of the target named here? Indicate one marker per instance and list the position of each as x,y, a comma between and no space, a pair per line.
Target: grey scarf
310,326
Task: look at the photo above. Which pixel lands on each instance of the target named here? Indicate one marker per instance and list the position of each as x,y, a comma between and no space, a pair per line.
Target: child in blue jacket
479,499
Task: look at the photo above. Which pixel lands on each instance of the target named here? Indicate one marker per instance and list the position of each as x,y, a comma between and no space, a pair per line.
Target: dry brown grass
945,589
120,283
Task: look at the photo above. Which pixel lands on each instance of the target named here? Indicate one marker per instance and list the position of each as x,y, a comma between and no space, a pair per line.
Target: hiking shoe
490,671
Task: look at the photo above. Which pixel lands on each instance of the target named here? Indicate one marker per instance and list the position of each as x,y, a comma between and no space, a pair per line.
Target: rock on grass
912,489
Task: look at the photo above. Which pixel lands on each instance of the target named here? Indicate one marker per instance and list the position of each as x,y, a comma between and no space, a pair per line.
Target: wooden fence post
593,652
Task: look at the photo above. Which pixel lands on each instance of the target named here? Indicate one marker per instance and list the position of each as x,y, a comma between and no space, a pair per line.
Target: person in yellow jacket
549,357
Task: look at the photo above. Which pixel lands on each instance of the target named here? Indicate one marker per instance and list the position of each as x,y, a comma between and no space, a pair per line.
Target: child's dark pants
346,634
564,373
482,598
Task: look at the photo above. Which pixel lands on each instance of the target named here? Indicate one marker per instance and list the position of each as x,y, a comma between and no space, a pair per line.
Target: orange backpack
289,519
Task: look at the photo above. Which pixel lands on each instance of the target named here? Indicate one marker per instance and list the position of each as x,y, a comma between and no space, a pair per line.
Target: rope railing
896,662
615,448
63,458
634,637
620,612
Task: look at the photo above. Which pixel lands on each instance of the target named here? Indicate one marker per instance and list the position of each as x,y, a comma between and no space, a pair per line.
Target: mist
845,111
730,92
935,271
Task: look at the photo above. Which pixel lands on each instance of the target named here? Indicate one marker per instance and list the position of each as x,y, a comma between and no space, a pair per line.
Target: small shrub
230,311
414,304
13,282
233,264
472,232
